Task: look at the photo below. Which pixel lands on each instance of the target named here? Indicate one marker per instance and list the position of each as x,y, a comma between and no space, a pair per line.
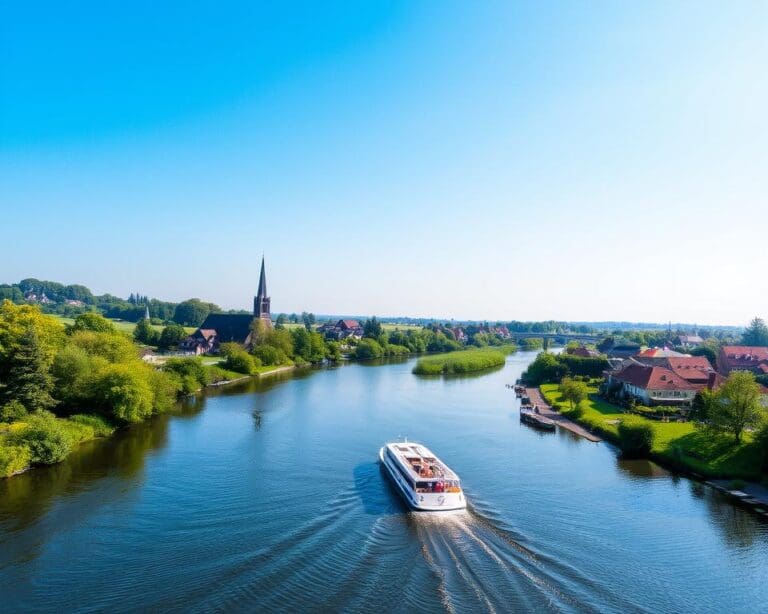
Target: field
680,445
122,325
463,361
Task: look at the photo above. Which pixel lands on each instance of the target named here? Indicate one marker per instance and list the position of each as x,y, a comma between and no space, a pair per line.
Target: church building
221,328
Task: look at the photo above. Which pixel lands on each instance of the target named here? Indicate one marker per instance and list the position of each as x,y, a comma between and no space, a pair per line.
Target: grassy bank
678,445
463,361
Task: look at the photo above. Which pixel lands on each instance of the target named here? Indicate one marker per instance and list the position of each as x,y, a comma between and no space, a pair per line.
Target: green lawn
122,325
680,445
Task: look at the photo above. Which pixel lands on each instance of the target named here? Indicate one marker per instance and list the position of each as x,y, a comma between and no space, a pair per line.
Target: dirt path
546,410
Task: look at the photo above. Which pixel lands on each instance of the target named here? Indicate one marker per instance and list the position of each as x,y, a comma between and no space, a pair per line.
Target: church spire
262,281
261,300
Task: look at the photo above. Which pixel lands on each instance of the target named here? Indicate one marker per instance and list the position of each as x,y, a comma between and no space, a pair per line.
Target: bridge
558,337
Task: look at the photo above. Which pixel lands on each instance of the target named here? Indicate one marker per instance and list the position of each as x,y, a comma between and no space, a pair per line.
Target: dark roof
229,326
262,281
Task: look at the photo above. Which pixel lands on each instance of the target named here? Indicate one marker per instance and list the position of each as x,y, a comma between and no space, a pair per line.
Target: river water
269,497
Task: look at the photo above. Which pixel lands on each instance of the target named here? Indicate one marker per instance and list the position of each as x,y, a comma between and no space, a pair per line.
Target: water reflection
641,468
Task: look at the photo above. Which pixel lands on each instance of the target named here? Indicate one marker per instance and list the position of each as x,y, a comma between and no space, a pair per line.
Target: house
221,328
459,334
650,385
624,350
658,353
202,341
583,352
688,341
742,358
343,329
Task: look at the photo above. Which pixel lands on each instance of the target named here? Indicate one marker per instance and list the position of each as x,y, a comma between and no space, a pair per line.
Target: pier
545,410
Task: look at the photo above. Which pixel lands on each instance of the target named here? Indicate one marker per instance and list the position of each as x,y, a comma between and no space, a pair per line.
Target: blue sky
579,161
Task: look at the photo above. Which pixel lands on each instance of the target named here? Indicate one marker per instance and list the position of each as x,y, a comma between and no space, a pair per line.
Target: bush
45,437
237,359
12,411
191,371
124,391
14,459
101,427
368,349
397,350
635,437
269,355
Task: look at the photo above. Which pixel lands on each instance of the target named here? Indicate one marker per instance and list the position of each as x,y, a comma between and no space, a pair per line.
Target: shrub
45,437
124,391
12,411
635,437
368,349
269,355
101,427
192,371
14,459
237,359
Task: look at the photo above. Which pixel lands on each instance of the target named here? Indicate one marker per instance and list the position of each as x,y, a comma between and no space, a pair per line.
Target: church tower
261,300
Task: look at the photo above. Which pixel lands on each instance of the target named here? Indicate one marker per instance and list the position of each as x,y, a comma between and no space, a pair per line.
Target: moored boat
424,481
529,415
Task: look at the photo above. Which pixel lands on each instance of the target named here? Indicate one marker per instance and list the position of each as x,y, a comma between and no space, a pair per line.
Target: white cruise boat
426,483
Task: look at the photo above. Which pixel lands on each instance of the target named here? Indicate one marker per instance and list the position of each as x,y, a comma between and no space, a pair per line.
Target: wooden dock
537,399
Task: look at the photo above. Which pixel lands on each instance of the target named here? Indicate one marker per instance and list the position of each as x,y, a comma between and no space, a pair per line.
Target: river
268,496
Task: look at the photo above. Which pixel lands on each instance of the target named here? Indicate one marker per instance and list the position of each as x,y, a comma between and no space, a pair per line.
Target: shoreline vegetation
65,383
679,446
463,361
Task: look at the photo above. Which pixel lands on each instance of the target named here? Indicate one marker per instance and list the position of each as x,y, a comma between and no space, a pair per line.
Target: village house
583,352
742,358
202,341
459,334
624,350
688,342
343,329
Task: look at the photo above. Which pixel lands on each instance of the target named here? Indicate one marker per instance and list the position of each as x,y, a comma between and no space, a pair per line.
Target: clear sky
577,161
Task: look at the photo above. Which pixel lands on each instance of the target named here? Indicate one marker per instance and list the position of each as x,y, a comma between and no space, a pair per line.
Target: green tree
736,405
372,328
12,411
94,322
281,319
368,349
192,312
573,391
171,336
144,333
124,391
237,359
756,333
29,378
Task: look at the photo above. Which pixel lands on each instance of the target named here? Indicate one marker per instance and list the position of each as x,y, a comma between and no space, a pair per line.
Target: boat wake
482,565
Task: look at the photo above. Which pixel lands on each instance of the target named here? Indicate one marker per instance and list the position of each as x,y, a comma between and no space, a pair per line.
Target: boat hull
426,502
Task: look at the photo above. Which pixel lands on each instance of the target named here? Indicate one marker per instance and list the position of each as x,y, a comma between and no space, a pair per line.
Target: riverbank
546,410
678,446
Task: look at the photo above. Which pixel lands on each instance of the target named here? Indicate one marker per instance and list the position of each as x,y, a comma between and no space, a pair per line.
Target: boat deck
421,463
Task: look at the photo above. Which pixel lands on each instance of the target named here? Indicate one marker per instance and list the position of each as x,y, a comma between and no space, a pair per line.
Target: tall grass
464,361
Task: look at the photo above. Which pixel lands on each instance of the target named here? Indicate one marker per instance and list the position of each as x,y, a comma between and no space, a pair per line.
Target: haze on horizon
453,159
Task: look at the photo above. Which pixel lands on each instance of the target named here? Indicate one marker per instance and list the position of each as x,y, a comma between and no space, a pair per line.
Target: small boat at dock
532,417
424,481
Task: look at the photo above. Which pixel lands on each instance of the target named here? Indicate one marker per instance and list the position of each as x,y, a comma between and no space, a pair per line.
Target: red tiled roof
659,353
745,352
349,323
690,367
652,378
